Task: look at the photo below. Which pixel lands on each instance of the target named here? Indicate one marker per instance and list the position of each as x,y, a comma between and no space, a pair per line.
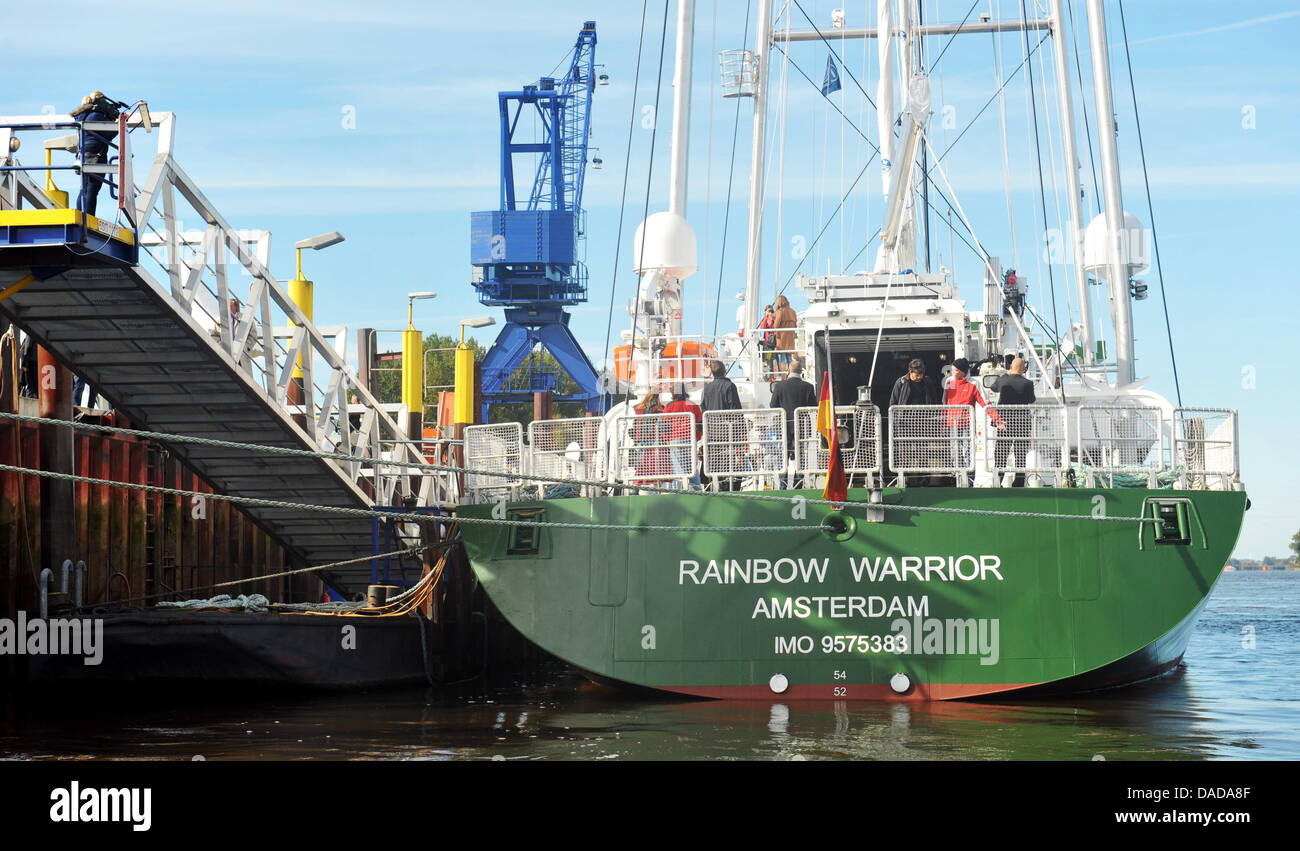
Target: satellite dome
665,242
1133,246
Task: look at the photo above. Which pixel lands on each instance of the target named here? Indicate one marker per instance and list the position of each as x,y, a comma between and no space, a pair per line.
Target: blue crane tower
525,254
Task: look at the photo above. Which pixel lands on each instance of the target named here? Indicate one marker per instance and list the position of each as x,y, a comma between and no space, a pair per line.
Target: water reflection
1231,701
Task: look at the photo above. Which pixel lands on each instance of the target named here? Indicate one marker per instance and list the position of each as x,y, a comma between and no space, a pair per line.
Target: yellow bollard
300,290
413,371
465,414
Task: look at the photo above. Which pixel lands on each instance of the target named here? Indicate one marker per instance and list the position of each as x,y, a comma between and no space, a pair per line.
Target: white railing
1205,447
933,439
1026,439
750,446
860,455
567,449
217,281
655,448
1121,439
497,448
685,359
745,443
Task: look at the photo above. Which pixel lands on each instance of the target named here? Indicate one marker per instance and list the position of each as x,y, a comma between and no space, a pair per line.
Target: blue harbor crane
525,254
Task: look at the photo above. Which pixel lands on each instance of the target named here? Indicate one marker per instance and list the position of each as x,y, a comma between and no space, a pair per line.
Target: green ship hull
960,605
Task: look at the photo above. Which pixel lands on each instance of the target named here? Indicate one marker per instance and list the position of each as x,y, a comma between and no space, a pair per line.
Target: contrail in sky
1238,25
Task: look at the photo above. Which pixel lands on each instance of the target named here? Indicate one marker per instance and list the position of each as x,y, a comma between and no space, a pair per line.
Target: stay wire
649,182
731,177
1038,158
1151,213
622,205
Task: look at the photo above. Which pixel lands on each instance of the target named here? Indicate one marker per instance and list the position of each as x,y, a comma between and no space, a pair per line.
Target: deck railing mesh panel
1121,439
1026,439
931,439
860,455
655,447
1205,440
495,448
568,449
740,443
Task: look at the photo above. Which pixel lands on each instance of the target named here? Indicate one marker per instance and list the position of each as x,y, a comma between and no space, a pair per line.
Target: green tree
1295,545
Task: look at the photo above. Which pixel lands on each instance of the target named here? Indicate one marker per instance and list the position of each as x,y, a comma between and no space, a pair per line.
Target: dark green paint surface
1075,594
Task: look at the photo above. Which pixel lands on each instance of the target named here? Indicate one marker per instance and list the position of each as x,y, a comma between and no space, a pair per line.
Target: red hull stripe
850,691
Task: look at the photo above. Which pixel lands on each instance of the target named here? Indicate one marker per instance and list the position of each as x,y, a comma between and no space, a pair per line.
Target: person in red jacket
682,433
962,391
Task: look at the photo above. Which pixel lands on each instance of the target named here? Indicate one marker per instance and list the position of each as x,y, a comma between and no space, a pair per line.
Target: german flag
837,485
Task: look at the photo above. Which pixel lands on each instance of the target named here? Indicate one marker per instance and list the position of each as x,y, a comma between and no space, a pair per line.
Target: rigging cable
1151,214
649,181
1006,146
708,176
622,204
1042,191
731,178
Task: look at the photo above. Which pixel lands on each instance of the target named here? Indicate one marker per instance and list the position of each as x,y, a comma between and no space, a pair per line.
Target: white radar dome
665,242
1133,251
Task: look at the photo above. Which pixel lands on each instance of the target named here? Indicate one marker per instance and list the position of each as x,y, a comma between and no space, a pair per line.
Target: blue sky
263,93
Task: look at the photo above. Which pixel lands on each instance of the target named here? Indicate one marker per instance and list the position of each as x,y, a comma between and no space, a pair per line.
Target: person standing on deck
721,395
785,319
682,434
789,395
914,388
767,343
963,391
1014,389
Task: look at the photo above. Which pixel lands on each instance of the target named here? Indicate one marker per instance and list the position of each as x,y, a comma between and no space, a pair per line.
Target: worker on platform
94,145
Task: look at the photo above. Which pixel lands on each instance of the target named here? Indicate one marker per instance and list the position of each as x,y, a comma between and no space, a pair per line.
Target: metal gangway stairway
173,316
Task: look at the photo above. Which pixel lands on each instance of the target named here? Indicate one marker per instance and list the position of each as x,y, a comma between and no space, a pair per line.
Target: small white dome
1133,246
669,247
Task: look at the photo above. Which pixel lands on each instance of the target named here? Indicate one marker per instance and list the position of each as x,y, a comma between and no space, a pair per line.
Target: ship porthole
839,527
778,684
900,683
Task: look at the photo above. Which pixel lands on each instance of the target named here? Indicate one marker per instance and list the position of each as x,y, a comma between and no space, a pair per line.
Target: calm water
1231,701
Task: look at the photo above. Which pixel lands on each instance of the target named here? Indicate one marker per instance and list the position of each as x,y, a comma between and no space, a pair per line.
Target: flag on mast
831,82
837,485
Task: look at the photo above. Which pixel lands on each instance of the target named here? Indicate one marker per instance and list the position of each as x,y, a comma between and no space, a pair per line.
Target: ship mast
1117,271
682,108
754,266
1066,104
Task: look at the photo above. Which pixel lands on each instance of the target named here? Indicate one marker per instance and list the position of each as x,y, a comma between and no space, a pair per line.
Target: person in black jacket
791,394
721,395
94,145
1013,439
914,388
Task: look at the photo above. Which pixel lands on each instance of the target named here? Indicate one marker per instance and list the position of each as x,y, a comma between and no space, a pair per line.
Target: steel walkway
200,354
